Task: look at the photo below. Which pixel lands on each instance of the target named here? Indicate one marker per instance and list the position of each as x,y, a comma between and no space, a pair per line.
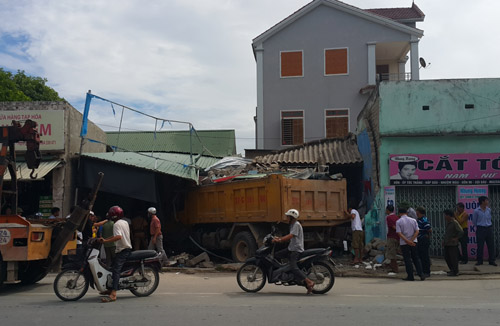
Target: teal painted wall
401,106
446,128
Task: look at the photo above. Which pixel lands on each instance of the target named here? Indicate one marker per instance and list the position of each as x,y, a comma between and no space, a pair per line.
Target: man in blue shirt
481,218
423,244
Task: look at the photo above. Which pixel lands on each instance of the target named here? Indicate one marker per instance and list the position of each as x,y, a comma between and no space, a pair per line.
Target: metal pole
119,130
154,140
191,143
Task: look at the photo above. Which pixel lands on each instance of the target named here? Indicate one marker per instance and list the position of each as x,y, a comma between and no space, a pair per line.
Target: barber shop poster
444,169
468,195
390,196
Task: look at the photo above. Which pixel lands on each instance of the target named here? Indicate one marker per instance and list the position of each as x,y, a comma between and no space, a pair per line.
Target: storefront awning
23,173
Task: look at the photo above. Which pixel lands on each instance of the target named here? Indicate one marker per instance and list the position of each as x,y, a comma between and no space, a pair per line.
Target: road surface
215,299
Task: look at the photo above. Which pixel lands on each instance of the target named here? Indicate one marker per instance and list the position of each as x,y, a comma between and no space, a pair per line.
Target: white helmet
293,213
152,210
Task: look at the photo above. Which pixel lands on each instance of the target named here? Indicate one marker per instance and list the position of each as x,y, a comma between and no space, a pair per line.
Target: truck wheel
244,246
3,271
34,272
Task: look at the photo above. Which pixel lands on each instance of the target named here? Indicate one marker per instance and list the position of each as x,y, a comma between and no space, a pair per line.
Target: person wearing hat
295,247
156,242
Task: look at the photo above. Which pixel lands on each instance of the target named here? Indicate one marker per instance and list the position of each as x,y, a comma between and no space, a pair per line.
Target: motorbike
315,263
140,274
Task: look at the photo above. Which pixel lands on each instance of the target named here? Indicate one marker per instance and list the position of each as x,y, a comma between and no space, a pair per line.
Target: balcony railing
405,76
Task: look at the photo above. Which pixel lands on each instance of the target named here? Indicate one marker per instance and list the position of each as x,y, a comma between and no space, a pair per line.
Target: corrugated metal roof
218,143
178,165
23,173
325,151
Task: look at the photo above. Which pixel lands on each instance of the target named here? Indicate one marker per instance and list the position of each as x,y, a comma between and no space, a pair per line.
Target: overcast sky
192,60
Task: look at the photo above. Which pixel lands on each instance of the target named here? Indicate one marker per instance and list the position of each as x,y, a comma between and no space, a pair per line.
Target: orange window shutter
337,127
291,64
336,62
298,131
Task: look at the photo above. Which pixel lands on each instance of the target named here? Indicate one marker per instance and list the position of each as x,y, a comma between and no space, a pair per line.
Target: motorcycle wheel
251,278
68,288
323,277
153,279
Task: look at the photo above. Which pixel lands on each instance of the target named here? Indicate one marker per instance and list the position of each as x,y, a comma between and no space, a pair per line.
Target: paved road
215,299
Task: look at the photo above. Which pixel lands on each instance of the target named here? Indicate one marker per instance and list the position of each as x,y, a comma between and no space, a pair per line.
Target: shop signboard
50,126
444,169
468,195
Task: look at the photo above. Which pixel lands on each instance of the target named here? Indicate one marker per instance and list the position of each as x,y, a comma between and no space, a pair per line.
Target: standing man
407,229
156,242
358,241
296,246
121,235
139,229
424,240
462,218
392,238
481,218
109,247
451,237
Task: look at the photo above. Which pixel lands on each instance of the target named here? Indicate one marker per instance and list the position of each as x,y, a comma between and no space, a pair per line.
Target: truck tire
243,247
34,272
3,271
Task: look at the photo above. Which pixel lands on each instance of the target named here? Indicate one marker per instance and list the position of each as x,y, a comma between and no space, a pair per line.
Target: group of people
411,231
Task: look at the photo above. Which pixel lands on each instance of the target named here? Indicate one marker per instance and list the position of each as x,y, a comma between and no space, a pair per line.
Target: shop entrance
435,200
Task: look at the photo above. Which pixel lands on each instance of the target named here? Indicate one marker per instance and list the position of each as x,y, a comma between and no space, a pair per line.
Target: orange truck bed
320,202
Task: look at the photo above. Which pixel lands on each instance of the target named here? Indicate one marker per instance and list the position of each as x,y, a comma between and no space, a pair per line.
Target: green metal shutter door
435,200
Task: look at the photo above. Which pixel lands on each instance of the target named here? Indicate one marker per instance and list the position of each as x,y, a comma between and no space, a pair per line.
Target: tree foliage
20,87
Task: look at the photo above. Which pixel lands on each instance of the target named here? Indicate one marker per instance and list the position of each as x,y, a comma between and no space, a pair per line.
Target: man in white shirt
358,236
121,235
407,229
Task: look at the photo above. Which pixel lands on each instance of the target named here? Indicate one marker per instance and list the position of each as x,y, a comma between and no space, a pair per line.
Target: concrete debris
374,253
230,267
198,259
187,260
206,264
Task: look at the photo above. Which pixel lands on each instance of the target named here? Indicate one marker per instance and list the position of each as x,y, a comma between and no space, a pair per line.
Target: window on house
291,64
336,61
292,127
337,123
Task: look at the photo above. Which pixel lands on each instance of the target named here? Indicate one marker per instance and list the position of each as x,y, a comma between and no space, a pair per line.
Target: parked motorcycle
140,274
315,263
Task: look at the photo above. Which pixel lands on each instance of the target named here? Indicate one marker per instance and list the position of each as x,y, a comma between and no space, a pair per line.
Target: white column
372,65
415,66
402,68
259,57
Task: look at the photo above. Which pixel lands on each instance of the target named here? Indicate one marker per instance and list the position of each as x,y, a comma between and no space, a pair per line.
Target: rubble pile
187,260
376,251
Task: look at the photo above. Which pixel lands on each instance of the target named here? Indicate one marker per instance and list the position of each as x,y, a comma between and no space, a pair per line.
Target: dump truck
237,215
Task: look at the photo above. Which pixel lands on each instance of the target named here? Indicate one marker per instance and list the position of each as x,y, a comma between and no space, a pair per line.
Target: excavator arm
9,136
